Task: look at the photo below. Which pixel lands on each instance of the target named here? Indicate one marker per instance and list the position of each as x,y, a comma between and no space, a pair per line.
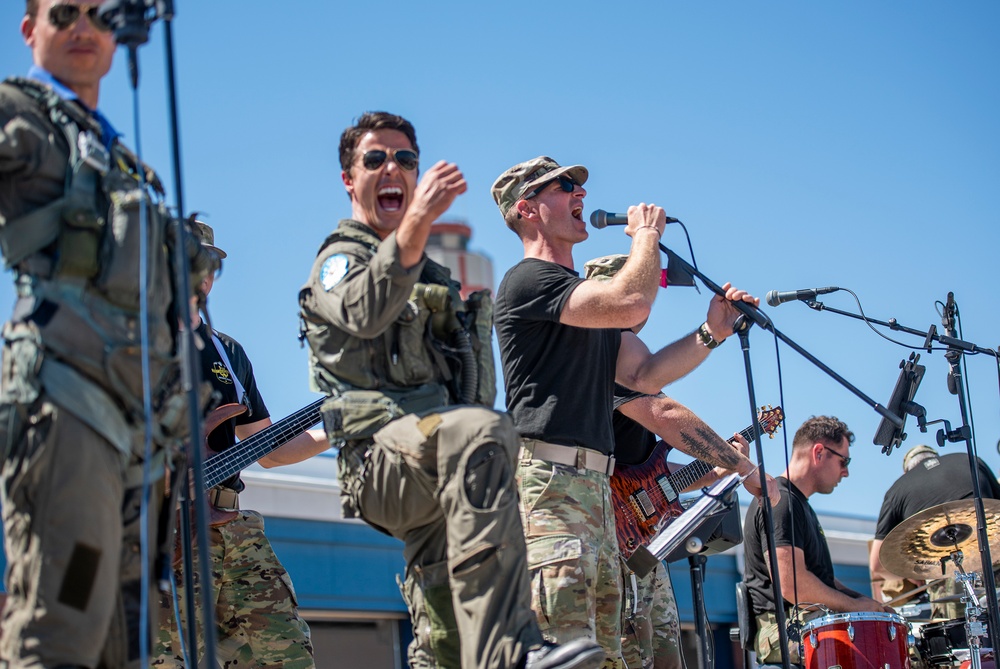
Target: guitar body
217,417
643,499
646,498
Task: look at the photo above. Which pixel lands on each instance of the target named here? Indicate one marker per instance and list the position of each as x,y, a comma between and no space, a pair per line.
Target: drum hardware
920,547
931,542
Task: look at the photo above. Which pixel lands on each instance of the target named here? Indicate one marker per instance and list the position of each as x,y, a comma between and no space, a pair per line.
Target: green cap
914,452
512,185
206,236
605,267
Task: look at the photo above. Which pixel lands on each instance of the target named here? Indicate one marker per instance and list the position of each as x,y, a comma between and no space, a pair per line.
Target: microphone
774,297
602,219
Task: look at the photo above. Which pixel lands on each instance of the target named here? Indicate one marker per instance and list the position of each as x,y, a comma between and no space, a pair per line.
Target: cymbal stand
974,628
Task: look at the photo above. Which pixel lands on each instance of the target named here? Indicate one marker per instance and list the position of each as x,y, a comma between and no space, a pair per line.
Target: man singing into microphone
547,320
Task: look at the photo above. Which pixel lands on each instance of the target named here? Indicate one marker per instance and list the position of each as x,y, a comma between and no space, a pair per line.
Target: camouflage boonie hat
605,267
207,237
915,451
512,185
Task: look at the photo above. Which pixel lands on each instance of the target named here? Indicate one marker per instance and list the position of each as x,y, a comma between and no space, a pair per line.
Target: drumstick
910,593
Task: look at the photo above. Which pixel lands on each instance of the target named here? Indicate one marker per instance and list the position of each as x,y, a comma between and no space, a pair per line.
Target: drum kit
935,543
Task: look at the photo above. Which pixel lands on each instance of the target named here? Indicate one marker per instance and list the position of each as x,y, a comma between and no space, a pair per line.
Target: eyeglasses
65,15
844,461
567,184
408,160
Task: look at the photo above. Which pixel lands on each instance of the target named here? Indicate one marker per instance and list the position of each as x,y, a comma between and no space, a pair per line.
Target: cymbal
914,548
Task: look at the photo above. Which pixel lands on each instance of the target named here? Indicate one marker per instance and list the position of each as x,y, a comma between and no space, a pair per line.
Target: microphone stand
696,563
751,315
131,20
956,347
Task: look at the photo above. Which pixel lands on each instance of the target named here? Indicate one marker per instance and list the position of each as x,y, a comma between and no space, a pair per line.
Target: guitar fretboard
244,453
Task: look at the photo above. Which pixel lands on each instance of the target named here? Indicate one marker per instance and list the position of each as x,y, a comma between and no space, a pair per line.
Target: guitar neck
684,478
241,455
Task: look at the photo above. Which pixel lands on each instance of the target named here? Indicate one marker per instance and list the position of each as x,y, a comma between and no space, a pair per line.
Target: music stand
716,497
889,435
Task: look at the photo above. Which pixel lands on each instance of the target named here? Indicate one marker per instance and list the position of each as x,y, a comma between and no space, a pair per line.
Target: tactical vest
77,267
437,339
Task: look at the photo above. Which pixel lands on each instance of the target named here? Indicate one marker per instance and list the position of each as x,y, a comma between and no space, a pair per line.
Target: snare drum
857,641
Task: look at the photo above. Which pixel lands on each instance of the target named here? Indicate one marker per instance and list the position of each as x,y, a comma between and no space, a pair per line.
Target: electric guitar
220,466
646,498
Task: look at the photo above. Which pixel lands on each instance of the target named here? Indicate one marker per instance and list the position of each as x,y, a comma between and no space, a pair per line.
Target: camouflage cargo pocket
351,462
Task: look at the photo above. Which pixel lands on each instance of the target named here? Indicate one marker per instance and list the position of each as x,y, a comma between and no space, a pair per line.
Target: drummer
928,479
819,460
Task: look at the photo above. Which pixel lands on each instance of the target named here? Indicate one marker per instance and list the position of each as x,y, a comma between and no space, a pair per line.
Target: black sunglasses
567,184
846,461
408,160
64,16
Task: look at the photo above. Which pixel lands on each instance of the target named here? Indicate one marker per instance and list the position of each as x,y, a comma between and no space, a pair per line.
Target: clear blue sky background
803,144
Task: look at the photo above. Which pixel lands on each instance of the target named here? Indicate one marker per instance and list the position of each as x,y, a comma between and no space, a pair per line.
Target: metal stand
974,629
754,315
131,20
697,562
954,356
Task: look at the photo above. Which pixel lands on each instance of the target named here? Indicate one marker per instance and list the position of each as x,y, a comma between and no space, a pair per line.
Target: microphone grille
598,218
772,298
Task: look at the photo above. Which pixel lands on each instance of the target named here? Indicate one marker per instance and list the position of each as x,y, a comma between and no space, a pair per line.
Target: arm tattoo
705,445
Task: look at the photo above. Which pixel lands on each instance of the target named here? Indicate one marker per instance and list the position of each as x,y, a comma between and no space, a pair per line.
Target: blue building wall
350,566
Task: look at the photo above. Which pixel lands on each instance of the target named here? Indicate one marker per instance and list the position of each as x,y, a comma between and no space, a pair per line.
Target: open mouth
390,198
577,213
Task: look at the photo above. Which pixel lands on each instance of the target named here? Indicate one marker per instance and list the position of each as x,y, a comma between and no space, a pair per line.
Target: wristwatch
706,338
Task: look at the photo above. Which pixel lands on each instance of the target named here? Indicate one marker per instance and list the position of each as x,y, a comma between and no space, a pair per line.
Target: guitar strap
240,392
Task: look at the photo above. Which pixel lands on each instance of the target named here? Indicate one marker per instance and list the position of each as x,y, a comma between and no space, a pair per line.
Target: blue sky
854,144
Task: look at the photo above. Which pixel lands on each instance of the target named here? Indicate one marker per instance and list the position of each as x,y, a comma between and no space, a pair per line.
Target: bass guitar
220,466
646,497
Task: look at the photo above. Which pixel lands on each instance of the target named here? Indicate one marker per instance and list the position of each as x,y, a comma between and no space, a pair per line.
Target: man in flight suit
389,341
78,461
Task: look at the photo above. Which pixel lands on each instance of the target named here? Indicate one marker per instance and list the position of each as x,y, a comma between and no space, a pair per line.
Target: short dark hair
378,120
31,8
826,429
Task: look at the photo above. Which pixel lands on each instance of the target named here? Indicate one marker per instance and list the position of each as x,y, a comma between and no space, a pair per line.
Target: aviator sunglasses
567,184
408,160
64,16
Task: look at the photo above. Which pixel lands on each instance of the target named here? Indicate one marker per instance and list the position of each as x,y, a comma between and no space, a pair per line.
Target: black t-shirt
214,370
559,379
931,482
633,442
808,536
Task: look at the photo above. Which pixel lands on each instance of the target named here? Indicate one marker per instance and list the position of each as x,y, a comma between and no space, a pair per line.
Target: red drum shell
856,641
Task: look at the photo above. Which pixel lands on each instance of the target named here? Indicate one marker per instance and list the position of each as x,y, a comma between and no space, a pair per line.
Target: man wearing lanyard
91,405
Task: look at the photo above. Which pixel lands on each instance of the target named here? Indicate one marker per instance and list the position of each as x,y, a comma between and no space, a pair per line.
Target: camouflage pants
573,554
72,533
651,628
444,484
257,622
